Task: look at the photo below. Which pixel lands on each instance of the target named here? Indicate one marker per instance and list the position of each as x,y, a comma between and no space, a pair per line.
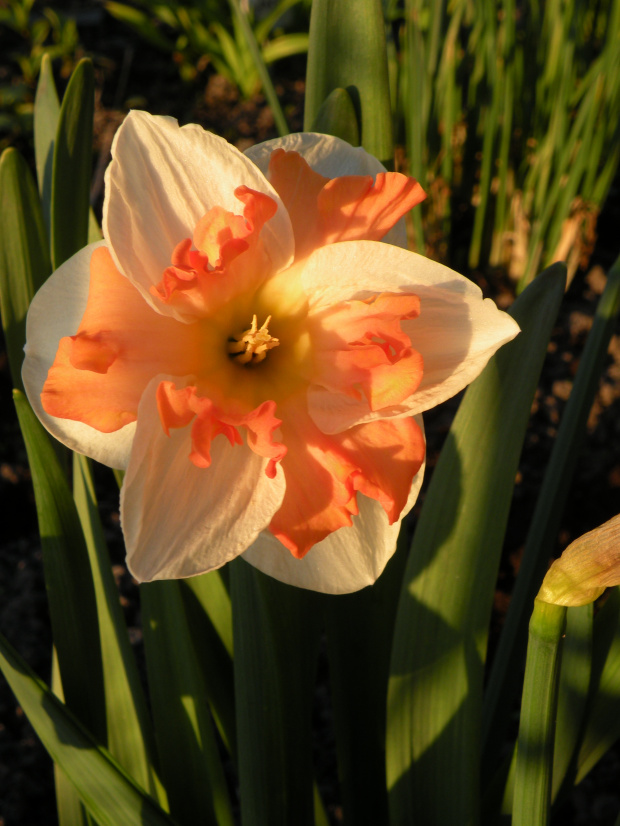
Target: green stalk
573,690
532,794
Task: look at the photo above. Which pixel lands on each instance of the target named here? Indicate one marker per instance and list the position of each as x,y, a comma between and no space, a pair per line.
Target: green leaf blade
71,171
108,793
191,770
435,693
276,643
68,577
24,259
46,114
129,730
348,51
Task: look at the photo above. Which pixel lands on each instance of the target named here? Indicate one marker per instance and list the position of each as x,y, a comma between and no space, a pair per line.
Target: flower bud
589,565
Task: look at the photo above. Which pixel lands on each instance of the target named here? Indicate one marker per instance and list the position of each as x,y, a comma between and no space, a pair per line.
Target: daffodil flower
248,348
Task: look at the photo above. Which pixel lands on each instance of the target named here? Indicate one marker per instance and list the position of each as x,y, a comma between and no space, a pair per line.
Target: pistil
251,346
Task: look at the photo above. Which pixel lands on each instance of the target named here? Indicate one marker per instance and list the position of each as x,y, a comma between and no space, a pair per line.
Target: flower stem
532,794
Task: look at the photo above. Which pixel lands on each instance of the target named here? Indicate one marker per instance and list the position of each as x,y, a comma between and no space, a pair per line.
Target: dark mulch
131,73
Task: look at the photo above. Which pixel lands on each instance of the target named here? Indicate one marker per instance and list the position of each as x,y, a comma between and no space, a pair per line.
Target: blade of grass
573,689
439,648
190,765
209,617
276,636
69,807
359,631
129,730
603,718
261,68
24,260
46,113
68,579
71,171
108,793
416,106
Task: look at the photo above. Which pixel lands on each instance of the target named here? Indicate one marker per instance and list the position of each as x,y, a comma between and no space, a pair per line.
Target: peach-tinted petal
323,474
56,312
345,561
456,332
331,158
346,208
180,520
179,406
230,259
162,180
388,455
99,374
360,348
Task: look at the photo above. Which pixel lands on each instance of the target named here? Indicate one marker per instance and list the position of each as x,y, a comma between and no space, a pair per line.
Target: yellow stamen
251,346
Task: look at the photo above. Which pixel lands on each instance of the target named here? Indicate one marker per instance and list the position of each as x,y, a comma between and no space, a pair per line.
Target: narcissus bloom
246,348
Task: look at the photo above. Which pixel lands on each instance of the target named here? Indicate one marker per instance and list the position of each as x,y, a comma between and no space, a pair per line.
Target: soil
130,73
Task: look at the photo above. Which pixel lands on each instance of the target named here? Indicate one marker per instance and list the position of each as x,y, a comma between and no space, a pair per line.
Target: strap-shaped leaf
603,717
347,50
46,113
435,691
276,635
359,634
71,171
68,580
504,680
24,259
69,807
108,793
209,616
336,116
573,688
129,731
190,765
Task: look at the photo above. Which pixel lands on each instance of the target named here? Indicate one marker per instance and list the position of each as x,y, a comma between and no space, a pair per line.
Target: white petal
162,179
180,520
456,333
331,157
347,560
56,311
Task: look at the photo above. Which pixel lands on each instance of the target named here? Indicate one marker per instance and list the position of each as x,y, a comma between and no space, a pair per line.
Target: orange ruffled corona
257,369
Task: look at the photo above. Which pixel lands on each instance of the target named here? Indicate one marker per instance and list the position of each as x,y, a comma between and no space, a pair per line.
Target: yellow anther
251,346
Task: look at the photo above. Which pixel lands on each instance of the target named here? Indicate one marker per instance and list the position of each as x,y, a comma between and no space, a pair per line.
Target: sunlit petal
55,312
330,157
179,519
456,333
347,560
162,180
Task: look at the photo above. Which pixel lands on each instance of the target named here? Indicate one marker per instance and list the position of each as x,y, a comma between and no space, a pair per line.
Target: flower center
251,346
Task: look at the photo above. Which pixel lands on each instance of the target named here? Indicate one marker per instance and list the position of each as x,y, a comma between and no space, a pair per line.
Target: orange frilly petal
99,374
229,258
360,348
180,406
349,208
324,473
